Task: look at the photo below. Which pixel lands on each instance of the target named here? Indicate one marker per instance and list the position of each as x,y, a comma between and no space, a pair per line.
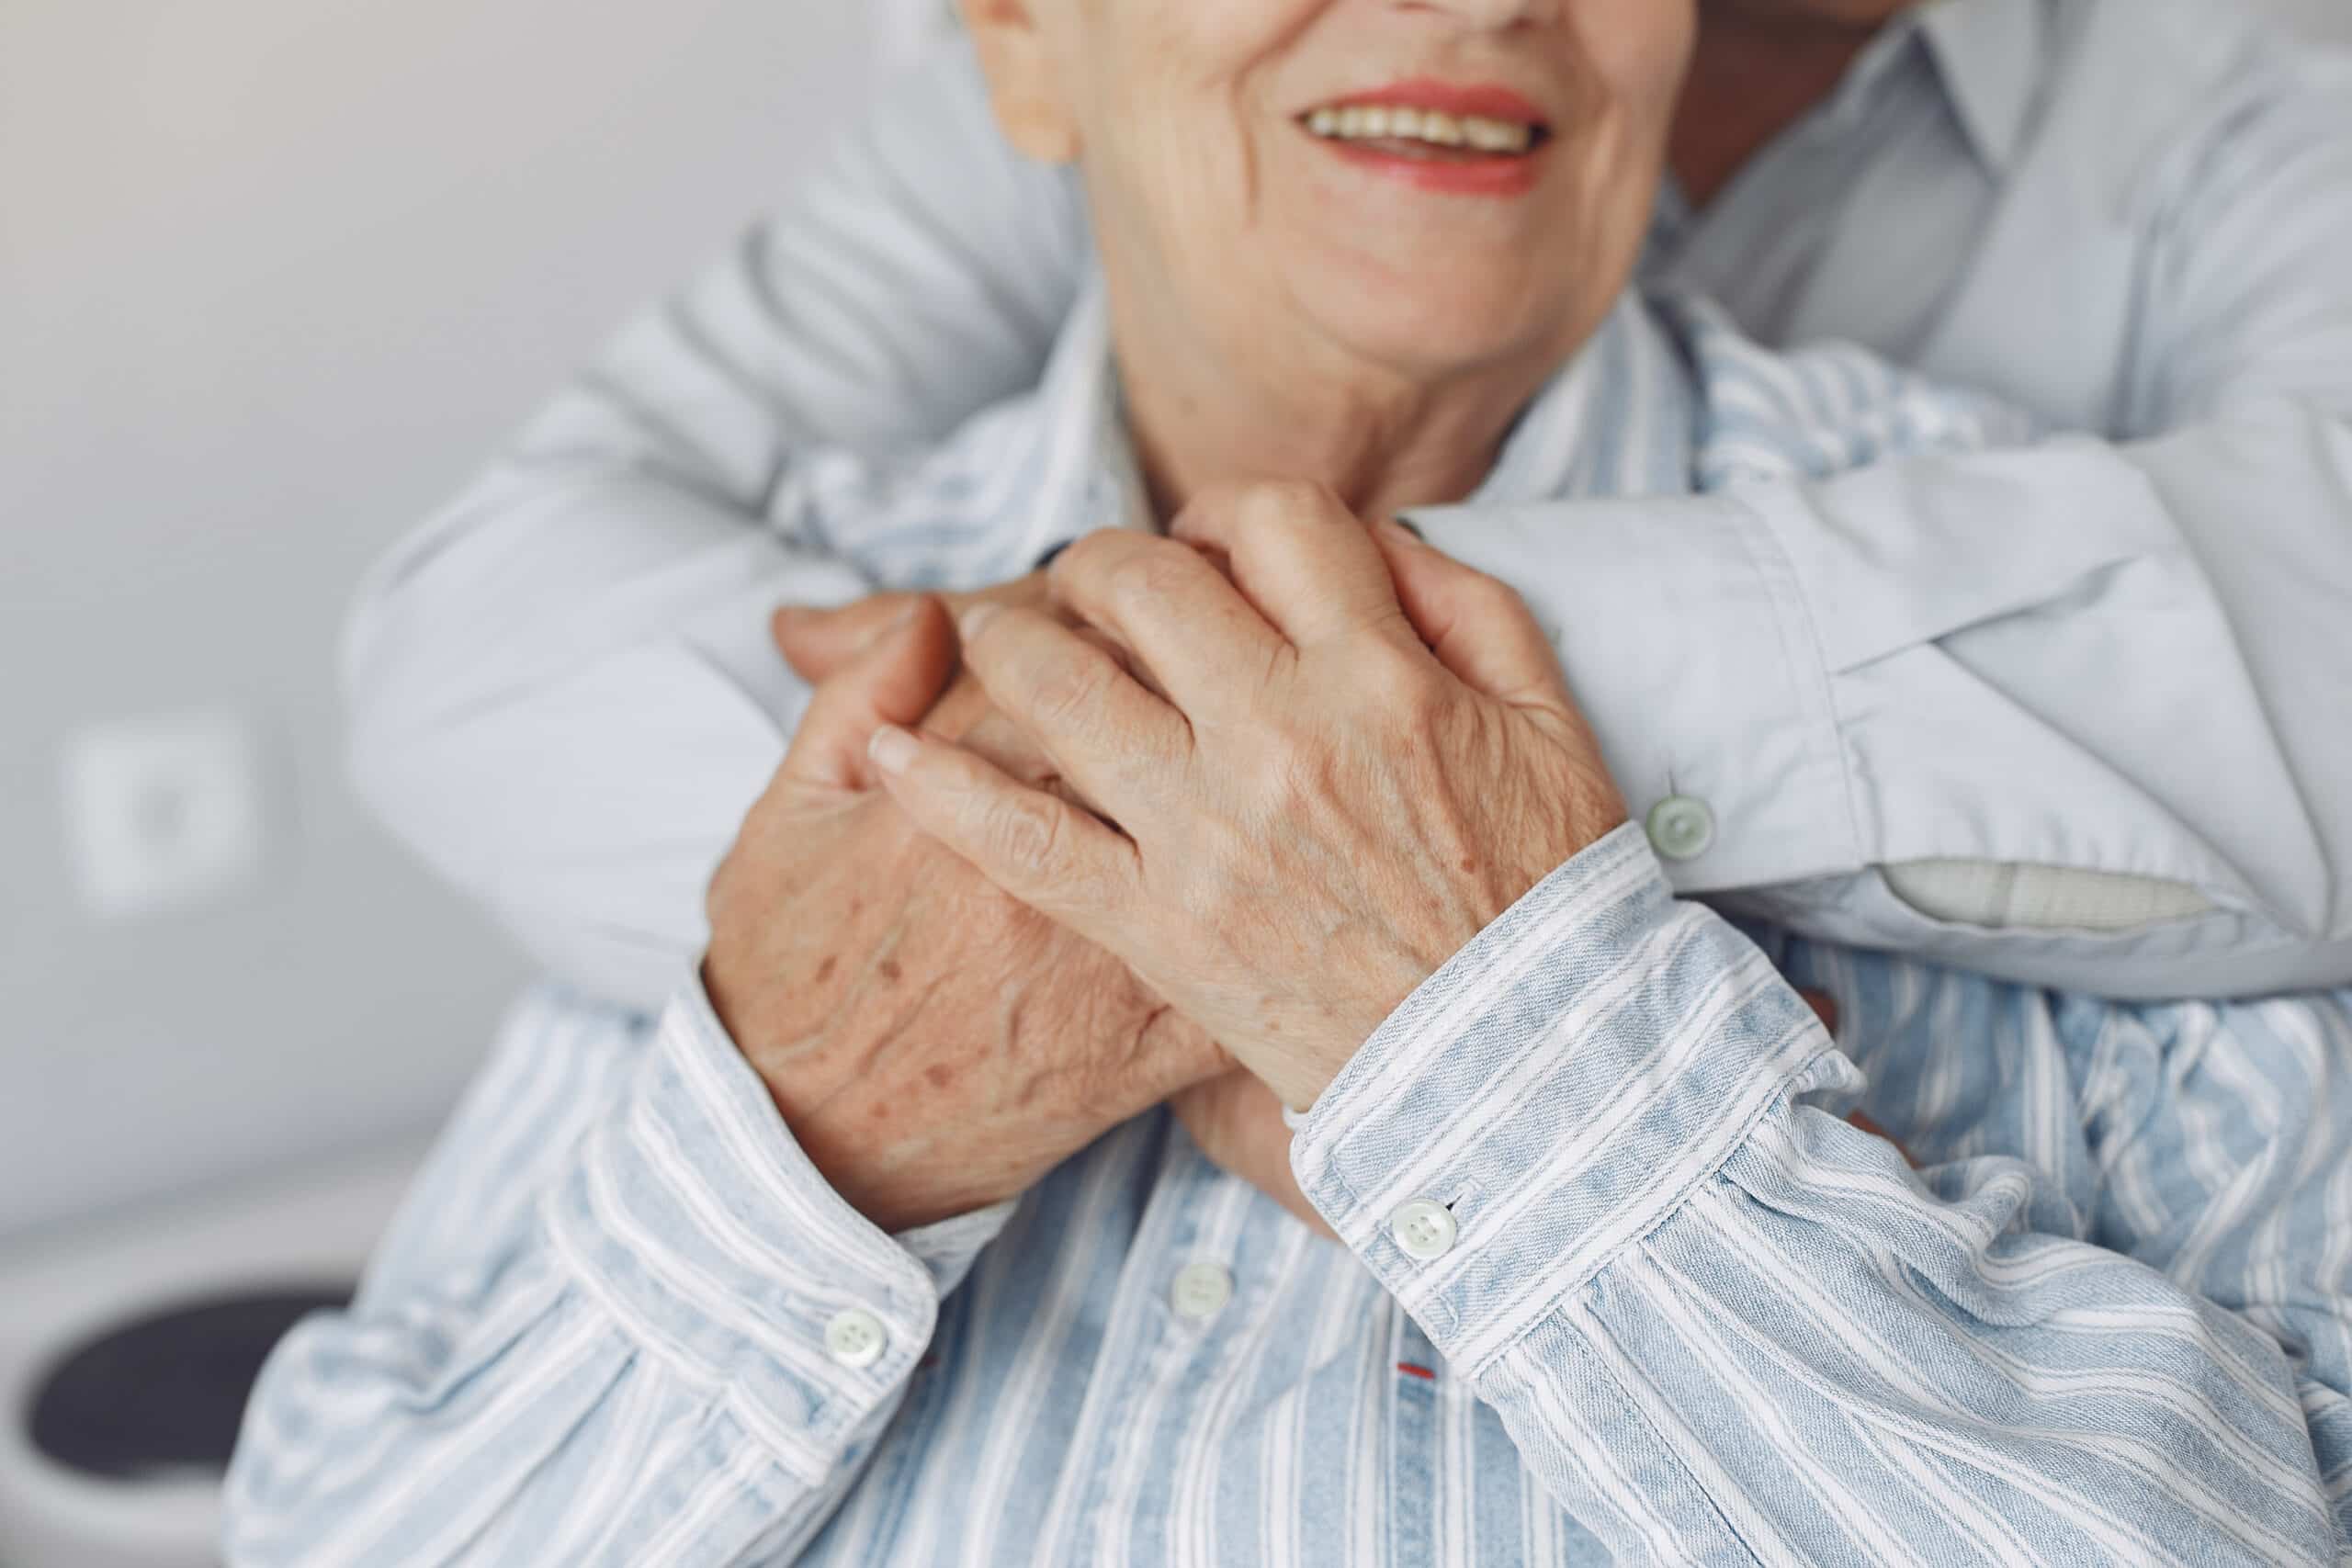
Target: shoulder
2141,92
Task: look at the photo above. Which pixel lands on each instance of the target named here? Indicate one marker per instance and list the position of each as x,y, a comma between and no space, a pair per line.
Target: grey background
274,275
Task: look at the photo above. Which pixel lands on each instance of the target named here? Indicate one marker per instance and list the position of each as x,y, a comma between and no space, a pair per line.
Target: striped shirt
1617,1281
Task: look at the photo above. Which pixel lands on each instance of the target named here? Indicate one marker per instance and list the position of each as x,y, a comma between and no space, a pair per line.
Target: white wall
275,275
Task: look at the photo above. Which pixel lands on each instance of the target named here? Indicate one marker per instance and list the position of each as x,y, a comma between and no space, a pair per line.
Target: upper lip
1483,100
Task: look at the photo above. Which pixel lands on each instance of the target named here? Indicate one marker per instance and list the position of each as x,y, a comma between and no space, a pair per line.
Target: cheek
1639,50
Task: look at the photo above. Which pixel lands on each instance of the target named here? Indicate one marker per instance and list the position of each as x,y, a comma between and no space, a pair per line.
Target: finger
819,643
1478,628
1300,557
894,681
1189,632
996,739
1110,738
1039,848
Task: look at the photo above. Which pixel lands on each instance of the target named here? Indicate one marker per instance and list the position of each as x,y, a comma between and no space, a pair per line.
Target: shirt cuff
1692,651
698,1222
1554,1094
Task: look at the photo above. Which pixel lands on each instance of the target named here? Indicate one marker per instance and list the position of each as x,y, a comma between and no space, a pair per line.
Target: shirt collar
1990,56
1615,421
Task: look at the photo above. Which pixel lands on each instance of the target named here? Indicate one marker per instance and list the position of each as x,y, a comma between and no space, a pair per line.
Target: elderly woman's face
1431,185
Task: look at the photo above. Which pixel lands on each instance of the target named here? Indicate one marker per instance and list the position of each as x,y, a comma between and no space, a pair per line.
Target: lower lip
1468,176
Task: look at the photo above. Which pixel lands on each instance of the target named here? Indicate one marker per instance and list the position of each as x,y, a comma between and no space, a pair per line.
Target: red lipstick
1488,102
1442,170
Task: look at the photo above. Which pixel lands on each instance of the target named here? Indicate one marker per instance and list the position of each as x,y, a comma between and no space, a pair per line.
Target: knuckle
1149,575
1088,556
1018,831
1492,597
1068,691
1271,503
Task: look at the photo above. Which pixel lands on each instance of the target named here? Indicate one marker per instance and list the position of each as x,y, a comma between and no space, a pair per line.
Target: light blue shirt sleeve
1597,1158
2069,713
562,689
601,1329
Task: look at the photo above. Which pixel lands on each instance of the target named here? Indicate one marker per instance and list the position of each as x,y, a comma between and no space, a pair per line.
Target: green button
1681,828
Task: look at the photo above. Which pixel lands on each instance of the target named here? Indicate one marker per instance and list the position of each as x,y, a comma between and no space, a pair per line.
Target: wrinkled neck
1381,439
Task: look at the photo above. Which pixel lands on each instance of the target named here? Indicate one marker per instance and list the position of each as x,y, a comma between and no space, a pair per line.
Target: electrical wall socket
165,813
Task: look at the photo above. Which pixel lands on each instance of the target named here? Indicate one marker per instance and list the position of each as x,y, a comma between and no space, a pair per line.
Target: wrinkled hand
821,643
1235,1120
932,1044
1350,757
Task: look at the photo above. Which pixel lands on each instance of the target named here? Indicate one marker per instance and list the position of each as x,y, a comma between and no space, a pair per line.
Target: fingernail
892,748
974,619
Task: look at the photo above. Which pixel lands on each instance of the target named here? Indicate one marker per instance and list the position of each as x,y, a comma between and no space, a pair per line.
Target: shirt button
854,1337
1425,1230
1681,828
1200,1292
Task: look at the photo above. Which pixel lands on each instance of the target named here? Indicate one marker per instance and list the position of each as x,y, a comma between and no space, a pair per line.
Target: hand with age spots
933,1046
1330,770
1234,1119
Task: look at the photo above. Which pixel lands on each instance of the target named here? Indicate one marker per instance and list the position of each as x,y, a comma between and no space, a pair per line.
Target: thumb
1476,625
893,681
819,643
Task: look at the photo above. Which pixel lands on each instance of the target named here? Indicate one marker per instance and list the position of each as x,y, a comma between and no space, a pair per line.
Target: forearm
636,1367
1790,1347
561,688
1893,686
567,714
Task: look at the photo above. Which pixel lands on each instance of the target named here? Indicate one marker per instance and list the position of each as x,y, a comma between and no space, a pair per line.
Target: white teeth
1495,135
1371,122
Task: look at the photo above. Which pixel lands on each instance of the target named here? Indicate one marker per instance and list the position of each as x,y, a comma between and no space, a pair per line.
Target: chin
1432,325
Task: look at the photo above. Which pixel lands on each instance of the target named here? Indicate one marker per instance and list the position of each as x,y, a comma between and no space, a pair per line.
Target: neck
1758,70
1379,440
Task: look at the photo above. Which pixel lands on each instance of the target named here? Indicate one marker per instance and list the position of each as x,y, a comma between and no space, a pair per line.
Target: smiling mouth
1426,135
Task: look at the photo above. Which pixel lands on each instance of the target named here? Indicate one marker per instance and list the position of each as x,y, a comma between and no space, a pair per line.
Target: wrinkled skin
933,1046
1353,755
1233,1119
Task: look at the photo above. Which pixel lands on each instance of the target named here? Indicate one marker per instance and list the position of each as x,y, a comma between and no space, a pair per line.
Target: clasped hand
1316,761
1274,771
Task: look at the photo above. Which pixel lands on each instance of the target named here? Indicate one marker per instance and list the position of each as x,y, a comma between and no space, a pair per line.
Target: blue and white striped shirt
1686,1313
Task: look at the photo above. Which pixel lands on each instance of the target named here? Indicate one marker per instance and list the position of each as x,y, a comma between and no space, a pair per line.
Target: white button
1681,828
1200,1292
855,1338
1425,1230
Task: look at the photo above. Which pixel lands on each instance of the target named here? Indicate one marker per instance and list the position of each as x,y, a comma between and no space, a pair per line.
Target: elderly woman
881,1252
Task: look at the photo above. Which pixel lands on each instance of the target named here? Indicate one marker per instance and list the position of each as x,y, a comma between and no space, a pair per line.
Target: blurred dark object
161,1396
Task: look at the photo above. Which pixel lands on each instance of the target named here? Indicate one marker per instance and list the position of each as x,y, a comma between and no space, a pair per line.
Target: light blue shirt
2074,714
1616,1280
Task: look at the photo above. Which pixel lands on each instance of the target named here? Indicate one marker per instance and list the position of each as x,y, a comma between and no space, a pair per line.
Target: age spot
825,970
891,970
939,1074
